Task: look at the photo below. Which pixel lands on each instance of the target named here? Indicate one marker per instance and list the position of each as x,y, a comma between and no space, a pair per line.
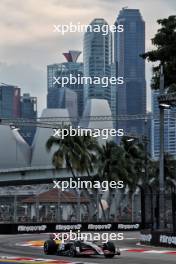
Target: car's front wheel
50,247
111,248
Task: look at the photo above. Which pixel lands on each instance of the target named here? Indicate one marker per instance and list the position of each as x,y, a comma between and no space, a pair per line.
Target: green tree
76,153
135,162
111,166
165,52
169,169
111,163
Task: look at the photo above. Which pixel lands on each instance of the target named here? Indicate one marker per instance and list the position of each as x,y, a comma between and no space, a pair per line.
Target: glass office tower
169,129
56,94
129,45
9,101
97,58
28,105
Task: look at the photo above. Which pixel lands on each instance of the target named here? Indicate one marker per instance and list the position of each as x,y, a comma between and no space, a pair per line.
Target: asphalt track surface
9,246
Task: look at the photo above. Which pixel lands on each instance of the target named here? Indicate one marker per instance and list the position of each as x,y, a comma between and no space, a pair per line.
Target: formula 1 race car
78,248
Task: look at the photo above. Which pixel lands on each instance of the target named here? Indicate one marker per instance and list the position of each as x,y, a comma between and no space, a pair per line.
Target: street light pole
161,163
15,209
78,205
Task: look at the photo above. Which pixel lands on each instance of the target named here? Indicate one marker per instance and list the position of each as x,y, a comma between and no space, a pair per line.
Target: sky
28,43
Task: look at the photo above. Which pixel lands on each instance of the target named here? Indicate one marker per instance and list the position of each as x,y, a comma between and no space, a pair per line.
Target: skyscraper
63,98
9,101
169,129
97,58
28,105
71,67
129,45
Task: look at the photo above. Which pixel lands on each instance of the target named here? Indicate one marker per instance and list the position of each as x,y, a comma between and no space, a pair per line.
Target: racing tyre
111,247
72,252
50,247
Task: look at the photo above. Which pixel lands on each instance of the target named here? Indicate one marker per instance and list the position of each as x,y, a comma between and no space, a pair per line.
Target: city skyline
24,56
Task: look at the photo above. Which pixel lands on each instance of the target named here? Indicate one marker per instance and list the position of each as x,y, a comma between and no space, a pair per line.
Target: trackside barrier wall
66,227
158,238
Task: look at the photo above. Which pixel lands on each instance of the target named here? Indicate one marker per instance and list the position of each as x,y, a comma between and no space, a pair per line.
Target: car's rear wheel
111,248
50,247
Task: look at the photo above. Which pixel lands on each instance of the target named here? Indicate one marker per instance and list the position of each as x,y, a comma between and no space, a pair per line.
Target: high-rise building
28,105
51,73
129,45
9,101
65,69
97,58
63,98
169,129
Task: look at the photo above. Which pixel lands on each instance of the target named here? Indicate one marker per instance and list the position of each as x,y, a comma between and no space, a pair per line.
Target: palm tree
135,156
111,166
169,169
77,153
111,162
135,162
